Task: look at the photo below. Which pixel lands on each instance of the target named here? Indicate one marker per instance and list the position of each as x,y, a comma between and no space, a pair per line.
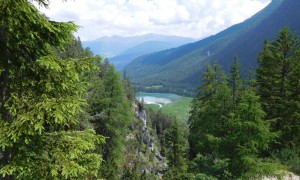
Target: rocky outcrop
150,140
288,176
142,147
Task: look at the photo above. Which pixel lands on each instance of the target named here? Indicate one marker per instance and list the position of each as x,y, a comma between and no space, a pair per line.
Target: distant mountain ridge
130,54
115,45
178,70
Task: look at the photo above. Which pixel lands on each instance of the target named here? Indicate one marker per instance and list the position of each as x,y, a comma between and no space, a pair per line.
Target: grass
179,108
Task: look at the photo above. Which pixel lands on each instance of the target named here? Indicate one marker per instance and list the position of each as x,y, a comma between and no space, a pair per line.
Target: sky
186,18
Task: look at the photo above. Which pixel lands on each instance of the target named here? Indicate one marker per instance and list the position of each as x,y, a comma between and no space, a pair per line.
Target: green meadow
172,104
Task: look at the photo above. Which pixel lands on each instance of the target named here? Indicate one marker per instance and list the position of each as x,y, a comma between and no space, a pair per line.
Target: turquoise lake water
157,98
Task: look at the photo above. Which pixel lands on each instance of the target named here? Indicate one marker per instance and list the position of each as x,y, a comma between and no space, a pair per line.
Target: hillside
178,70
148,47
115,45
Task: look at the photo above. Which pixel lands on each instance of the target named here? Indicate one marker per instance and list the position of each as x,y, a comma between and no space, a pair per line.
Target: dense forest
67,114
243,128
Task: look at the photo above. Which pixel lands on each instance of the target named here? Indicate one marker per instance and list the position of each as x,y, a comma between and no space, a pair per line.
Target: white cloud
192,18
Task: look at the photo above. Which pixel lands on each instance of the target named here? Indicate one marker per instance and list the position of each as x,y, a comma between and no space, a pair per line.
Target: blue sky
189,18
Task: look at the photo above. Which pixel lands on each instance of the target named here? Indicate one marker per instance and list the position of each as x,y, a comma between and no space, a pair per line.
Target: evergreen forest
68,114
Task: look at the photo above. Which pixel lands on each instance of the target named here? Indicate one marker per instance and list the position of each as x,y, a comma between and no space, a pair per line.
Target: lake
157,98
173,104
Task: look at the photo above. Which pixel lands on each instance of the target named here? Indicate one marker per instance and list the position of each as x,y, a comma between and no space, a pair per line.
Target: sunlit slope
178,70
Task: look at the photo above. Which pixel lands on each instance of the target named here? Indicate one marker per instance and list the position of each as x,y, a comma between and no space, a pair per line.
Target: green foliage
210,166
160,122
176,152
203,177
49,99
42,97
131,173
207,112
174,174
51,89
233,130
235,80
74,50
129,89
173,143
112,113
45,104
57,155
290,158
249,136
42,107
20,17
278,86
260,168
228,131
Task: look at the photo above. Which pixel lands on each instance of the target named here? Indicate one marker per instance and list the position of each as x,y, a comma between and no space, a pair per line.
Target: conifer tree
128,87
277,79
41,98
235,80
228,131
176,145
112,114
74,49
208,108
248,136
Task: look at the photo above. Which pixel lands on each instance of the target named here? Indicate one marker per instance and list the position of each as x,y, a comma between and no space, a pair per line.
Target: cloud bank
189,18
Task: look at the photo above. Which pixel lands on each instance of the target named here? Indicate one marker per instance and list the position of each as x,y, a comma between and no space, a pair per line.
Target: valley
166,90
179,69
172,104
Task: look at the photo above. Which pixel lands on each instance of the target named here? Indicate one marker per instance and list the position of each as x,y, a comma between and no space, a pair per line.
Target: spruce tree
207,121
235,80
247,137
176,150
208,108
41,98
228,131
112,114
277,80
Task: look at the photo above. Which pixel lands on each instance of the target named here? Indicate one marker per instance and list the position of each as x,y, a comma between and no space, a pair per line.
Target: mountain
179,69
115,45
148,47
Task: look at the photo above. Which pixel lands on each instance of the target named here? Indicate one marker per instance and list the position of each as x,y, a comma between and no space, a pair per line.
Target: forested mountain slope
178,70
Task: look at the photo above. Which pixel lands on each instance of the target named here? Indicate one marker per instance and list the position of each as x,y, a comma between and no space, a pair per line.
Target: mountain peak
114,45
